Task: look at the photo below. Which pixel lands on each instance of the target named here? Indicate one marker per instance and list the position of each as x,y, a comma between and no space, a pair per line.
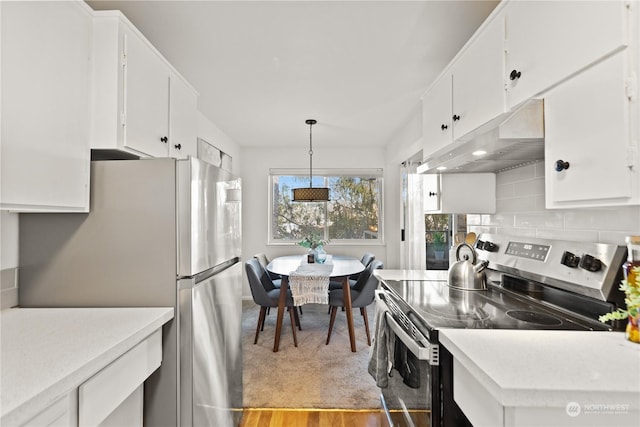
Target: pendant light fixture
311,193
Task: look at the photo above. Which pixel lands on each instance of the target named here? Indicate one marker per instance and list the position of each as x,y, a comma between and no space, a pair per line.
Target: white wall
521,212
256,163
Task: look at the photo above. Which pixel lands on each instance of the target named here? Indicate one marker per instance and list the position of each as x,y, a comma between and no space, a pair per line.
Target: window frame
376,173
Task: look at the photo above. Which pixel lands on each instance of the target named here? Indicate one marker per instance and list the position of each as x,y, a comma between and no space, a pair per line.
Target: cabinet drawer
99,396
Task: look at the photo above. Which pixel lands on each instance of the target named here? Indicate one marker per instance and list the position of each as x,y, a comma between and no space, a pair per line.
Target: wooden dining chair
362,295
267,298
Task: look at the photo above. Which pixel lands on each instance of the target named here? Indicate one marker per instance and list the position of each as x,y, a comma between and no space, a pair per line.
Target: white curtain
413,249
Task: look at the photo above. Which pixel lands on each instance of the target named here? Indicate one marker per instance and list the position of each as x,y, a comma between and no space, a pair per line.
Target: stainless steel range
530,284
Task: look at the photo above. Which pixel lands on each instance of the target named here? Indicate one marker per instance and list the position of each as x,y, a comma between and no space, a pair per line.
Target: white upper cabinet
46,58
590,159
469,93
134,102
548,41
437,123
183,119
460,193
146,96
478,86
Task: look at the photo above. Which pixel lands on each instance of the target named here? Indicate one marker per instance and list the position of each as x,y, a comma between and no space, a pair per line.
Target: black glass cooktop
440,306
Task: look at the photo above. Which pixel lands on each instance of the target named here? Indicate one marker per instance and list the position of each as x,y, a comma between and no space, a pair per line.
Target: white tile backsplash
520,211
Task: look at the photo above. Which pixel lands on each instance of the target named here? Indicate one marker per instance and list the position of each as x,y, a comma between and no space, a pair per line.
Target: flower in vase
312,242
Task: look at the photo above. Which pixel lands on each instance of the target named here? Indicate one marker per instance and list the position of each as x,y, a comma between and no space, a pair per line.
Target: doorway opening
442,232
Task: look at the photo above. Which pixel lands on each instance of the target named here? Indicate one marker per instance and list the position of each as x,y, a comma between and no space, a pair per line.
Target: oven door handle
429,352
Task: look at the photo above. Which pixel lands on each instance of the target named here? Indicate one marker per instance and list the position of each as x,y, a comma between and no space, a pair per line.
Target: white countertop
412,274
47,352
549,368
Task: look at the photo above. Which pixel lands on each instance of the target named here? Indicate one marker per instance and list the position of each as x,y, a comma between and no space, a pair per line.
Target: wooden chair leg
334,310
363,311
300,308
295,312
263,312
292,315
264,318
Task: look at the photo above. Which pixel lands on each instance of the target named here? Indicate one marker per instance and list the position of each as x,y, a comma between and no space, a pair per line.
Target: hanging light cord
311,122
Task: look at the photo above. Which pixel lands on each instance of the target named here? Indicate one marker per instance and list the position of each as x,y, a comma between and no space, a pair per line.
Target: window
353,215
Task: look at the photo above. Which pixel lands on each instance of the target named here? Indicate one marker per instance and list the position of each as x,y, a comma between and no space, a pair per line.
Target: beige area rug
312,375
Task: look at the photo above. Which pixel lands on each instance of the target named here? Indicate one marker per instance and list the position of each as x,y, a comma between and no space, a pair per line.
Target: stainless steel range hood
504,143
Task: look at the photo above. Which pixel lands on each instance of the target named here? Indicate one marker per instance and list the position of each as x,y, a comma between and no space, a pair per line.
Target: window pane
352,214
293,221
353,211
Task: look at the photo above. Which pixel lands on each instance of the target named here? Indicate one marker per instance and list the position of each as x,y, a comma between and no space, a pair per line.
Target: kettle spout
480,266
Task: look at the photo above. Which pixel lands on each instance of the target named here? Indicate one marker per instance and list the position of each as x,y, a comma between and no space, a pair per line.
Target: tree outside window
353,214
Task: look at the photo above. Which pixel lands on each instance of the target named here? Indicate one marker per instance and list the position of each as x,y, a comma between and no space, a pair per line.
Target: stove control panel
528,250
586,268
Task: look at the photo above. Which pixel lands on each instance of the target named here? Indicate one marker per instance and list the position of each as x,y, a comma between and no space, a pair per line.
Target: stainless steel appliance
160,232
531,284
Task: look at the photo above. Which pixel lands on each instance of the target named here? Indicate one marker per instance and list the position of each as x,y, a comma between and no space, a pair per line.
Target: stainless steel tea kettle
465,273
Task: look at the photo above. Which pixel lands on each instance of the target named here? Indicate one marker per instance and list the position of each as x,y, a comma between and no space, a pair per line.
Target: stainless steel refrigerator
160,232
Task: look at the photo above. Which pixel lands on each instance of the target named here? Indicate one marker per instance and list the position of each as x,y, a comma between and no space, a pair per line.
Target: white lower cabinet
113,396
62,413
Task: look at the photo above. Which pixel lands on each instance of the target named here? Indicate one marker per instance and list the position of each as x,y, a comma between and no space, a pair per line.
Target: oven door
408,398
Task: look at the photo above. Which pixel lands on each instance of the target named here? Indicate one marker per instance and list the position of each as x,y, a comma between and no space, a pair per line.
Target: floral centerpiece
631,289
316,252
312,242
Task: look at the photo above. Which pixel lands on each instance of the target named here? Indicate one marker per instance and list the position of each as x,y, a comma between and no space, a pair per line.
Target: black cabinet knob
164,139
590,263
178,146
431,194
561,165
456,117
569,259
444,127
515,74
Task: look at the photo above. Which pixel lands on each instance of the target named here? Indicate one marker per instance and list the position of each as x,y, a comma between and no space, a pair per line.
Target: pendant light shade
311,193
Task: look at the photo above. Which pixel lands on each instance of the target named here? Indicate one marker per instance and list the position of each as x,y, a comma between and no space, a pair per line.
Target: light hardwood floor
315,418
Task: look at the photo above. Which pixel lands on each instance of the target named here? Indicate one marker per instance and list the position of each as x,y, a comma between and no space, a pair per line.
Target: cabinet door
183,110
460,193
437,127
146,98
45,156
432,193
587,125
547,41
478,86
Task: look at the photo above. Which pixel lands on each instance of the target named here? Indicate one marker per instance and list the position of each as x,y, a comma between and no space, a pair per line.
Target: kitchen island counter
48,352
545,377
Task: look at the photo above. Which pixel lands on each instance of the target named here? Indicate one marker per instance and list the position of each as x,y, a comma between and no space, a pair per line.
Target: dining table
341,268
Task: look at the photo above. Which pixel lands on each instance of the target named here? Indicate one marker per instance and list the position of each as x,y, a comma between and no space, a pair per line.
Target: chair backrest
262,258
367,258
367,293
265,277
258,292
363,277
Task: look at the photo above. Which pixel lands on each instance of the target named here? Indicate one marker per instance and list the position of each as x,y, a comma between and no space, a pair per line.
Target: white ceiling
262,67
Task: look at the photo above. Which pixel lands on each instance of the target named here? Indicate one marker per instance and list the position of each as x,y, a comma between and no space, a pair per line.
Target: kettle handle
473,252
